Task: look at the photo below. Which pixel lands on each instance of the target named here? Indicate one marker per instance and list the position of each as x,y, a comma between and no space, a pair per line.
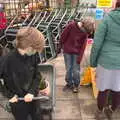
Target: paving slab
64,95
116,115
85,92
67,110
88,108
5,115
60,81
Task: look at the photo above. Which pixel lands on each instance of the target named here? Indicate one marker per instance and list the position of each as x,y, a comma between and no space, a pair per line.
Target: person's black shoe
67,87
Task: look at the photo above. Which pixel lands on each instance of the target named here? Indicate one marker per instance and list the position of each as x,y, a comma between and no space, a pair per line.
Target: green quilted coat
106,48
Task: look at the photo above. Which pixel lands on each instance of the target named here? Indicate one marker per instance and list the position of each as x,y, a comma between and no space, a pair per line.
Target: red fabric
3,21
72,38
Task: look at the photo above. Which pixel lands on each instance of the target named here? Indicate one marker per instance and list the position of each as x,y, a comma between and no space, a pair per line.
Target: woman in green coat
105,56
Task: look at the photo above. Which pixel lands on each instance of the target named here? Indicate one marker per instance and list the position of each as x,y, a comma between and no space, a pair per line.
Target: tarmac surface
69,105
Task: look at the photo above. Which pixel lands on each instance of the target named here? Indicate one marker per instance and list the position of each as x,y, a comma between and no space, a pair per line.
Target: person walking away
105,56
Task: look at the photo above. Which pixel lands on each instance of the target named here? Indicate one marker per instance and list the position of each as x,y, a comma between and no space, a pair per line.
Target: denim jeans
72,69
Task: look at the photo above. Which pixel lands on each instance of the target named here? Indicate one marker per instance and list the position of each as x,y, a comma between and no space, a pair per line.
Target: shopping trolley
47,106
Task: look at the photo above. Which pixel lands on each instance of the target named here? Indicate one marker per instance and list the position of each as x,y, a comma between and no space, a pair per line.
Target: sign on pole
99,14
104,3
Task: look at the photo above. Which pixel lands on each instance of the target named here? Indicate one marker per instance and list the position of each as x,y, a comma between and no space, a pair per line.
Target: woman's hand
28,97
13,99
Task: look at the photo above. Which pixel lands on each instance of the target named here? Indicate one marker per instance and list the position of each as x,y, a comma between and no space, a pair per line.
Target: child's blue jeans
72,69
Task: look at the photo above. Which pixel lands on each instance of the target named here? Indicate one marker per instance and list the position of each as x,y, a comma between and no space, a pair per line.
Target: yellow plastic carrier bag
89,76
86,79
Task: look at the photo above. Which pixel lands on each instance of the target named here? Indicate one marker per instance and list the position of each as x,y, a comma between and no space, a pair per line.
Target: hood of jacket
115,15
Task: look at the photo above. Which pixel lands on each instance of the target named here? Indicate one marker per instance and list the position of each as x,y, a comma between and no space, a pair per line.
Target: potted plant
44,87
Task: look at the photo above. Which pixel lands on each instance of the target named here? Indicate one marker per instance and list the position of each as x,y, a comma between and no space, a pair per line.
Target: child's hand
13,99
28,97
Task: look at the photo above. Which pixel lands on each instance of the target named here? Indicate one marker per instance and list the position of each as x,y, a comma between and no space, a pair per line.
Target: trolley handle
36,98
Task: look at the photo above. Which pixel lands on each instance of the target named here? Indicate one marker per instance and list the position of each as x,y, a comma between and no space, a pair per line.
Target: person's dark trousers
22,110
103,101
115,100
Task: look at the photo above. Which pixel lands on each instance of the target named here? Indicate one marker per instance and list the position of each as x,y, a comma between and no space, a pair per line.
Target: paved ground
69,106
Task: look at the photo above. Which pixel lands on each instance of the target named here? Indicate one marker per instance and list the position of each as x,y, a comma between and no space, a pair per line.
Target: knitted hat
30,37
